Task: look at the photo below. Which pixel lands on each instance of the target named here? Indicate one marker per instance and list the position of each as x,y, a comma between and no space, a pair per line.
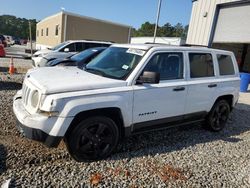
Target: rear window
226,66
201,65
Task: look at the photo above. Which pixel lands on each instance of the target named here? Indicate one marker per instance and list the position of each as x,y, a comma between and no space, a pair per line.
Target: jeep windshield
115,62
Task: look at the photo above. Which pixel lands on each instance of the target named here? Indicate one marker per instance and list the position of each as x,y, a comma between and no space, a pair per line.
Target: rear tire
94,138
217,117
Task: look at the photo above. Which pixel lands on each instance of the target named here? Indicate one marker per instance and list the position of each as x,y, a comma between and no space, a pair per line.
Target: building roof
84,17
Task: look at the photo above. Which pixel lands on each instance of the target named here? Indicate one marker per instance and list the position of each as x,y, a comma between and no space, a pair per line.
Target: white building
222,24
176,41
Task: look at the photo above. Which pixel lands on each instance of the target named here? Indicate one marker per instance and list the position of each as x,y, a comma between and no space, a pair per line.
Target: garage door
233,25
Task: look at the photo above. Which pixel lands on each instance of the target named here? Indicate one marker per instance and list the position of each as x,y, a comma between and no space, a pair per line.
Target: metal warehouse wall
201,21
88,28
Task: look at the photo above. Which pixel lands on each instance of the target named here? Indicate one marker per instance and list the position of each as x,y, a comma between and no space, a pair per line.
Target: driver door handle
179,89
212,85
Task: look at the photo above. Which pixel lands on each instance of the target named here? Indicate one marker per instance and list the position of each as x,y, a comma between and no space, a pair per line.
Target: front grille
26,91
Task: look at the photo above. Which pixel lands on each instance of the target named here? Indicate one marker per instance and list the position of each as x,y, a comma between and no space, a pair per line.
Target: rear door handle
179,89
212,85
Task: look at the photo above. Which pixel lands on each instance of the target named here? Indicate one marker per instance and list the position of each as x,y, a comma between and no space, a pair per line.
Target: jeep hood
51,80
55,55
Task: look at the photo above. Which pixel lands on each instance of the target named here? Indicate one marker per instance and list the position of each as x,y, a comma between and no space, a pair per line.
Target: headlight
34,99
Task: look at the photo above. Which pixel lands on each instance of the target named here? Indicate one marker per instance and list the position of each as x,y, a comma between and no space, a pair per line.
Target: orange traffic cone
11,68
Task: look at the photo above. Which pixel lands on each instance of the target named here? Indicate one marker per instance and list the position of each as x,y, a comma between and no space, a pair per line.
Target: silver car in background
65,50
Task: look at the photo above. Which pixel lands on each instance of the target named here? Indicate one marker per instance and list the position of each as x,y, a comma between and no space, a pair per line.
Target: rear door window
87,45
226,66
201,65
71,47
93,45
79,46
105,45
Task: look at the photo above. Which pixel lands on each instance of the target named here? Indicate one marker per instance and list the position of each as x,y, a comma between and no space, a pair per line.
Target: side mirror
149,77
66,49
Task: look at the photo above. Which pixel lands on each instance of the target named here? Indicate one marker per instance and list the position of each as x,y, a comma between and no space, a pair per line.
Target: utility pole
31,46
157,19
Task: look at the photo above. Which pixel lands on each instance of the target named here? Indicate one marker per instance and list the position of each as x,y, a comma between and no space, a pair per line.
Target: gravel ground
179,157
17,51
21,65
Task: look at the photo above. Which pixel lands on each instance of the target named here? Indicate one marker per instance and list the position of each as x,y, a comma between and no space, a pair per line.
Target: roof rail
98,40
194,45
156,43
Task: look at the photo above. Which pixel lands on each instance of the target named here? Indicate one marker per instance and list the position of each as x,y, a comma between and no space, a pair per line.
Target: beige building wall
75,27
51,22
201,21
92,29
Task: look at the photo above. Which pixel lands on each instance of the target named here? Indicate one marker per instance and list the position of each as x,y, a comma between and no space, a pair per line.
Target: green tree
184,35
178,30
146,30
18,27
134,33
167,30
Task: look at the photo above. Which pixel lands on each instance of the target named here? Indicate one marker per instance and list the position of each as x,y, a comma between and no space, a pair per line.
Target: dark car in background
17,40
80,59
3,41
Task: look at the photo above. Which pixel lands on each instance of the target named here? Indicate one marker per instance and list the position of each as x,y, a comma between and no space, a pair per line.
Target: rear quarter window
201,65
226,66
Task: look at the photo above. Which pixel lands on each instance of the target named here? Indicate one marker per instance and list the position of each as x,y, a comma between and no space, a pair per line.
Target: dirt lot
181,157
21,65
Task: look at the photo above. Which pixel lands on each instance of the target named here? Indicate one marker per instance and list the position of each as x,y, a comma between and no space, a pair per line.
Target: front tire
218,116
94,138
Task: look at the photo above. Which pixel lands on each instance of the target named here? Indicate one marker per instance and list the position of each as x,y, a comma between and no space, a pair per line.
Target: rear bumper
38,135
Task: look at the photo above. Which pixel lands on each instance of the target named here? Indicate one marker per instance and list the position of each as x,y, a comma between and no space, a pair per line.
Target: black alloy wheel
93,139
218,116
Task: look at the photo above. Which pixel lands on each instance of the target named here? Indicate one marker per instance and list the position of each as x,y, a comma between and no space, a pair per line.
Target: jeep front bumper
48,130
38,135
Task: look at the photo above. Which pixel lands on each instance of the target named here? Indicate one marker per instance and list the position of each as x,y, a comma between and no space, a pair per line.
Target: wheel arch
112,112
229,98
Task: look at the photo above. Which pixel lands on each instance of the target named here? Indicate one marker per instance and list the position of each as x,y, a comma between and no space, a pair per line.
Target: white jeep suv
126,90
